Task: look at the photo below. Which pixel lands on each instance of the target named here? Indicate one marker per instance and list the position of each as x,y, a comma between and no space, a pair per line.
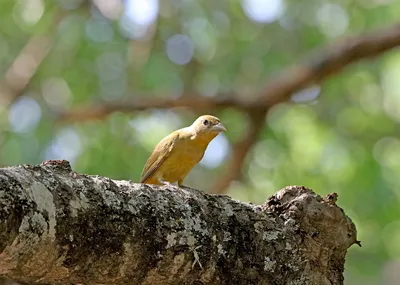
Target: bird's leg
181,185
165,183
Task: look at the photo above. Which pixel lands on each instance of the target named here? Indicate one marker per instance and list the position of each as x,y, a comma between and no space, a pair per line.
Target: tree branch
239,152
326,63
323,64
194,102
278,89
23,69
60,227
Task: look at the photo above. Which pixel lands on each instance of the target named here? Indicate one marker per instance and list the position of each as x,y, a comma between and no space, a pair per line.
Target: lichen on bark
61,227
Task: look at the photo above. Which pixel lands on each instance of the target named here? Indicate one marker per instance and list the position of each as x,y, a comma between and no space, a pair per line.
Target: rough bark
60,227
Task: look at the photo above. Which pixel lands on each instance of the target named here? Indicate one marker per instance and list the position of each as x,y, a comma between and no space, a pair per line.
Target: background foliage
342,135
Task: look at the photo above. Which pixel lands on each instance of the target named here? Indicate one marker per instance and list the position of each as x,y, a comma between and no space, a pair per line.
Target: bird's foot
167,183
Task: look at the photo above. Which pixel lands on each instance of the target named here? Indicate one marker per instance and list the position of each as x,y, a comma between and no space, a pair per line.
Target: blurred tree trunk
60,227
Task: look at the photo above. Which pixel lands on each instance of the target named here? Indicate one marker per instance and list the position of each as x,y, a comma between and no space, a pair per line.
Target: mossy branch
61,227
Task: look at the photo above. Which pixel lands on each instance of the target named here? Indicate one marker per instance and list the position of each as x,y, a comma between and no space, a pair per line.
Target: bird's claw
166,183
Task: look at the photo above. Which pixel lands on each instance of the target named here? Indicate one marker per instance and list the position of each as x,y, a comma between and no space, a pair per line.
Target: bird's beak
219,128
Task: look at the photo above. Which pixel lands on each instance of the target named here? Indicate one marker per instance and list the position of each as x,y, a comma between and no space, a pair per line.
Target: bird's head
208,124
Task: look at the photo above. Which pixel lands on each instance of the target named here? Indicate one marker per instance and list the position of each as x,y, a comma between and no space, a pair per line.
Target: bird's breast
189,154
184,157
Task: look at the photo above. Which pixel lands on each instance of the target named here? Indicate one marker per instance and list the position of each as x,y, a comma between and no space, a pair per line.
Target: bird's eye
205,122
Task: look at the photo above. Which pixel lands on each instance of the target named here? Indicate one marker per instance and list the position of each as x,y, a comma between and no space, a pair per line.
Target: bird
175,155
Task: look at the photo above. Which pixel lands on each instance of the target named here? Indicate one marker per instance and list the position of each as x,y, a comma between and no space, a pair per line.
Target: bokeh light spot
137,18
371,98
216,152
132,30
263,11
24,115
306,95
31,11
202,35
99,30
180,49
66,145
56,92
387,151
141,12
332,19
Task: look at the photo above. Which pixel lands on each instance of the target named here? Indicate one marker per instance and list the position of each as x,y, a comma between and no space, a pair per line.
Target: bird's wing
160,153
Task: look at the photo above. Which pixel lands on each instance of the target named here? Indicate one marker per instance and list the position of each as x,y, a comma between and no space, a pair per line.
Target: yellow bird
176,154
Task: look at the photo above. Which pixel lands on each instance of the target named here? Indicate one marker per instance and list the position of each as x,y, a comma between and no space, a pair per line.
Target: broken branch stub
61,227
